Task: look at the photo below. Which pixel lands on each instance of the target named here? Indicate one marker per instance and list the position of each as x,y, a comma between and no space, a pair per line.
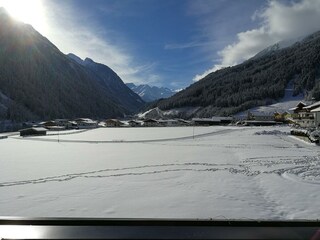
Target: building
134,123
113,123
85,123
212,121
48,124
168,123
224,120
298,108
316,114
312,106
34,131
259,116
65,123
150,123
302,114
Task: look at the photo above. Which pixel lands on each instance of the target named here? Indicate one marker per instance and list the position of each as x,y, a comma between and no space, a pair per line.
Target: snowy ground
222,172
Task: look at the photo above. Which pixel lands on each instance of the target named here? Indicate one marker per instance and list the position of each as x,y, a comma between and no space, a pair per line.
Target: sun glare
31,12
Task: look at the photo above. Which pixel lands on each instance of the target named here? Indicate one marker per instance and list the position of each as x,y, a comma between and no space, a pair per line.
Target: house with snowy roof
305,115
84,123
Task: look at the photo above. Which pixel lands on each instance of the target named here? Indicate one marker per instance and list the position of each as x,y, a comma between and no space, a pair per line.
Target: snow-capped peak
151,93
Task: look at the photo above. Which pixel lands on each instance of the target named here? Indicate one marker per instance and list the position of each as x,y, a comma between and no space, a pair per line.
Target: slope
256,82
112,83
37,81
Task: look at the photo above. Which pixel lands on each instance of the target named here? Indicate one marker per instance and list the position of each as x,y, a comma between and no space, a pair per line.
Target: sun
31,12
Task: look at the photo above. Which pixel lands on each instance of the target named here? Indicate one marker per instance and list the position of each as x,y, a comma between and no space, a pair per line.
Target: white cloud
278,21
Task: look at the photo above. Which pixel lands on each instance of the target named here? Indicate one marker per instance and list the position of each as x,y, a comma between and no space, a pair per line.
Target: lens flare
31,12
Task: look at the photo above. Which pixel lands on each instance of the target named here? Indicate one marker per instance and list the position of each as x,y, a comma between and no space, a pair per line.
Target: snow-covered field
221,172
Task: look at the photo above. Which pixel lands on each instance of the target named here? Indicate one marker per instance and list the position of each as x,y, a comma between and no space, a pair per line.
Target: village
304,120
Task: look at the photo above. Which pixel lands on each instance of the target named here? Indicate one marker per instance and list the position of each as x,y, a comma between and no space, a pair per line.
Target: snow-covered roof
86,120
303,104
37,129
297,106
316,110
313,105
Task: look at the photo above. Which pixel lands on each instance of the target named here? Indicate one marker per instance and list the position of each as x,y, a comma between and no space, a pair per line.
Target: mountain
39,82
256,82
112,83
277,46
150,93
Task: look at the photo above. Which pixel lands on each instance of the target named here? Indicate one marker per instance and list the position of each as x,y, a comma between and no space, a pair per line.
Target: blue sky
168,38
169,43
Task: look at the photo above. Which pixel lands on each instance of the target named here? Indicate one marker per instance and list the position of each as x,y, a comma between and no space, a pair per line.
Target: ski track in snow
251,161
306,170
300,168
118,172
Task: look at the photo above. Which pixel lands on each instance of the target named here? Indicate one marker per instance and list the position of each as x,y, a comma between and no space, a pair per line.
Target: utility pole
193,132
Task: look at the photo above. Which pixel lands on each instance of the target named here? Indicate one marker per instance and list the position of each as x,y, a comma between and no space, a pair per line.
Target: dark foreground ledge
86,228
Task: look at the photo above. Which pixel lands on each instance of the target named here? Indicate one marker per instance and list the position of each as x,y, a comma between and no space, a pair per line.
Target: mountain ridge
255,82
278,46
150,93
112,82
60,87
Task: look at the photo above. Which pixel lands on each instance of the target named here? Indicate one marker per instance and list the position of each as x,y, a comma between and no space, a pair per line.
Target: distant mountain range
259,81
39,82
151,93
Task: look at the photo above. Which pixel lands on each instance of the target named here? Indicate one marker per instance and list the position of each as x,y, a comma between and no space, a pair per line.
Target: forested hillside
254,82
39,82
112,83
